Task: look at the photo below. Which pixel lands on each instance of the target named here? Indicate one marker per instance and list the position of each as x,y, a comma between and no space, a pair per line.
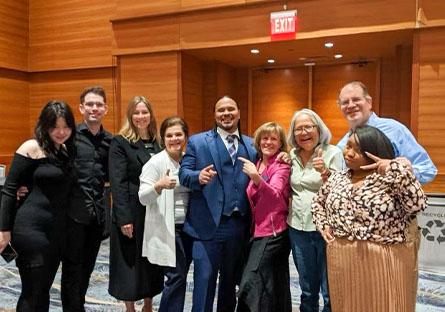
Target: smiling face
353,156
306,133
141,117
60,132
227,114
174,140
355,107
270,144
93,109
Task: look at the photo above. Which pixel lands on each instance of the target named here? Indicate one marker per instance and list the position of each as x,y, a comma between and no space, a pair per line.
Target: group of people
233,205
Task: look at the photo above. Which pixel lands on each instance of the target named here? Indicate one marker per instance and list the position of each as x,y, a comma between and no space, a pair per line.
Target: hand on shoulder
31,149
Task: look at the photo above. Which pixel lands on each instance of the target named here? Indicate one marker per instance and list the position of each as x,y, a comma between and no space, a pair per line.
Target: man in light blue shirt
356,105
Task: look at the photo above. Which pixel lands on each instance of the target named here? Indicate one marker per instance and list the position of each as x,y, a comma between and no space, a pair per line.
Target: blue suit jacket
206,201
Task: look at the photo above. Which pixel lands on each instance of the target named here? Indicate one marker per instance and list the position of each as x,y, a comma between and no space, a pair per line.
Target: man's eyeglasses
91,104
307,128
354,100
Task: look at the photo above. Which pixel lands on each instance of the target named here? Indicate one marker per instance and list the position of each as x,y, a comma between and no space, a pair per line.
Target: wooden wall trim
62,69
172,12
249,102
415,78
378,95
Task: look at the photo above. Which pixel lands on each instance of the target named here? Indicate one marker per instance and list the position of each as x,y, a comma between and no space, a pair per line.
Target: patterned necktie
232,149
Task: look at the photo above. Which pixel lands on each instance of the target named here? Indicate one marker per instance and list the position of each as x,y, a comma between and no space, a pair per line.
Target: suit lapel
211,142
141,154
250,150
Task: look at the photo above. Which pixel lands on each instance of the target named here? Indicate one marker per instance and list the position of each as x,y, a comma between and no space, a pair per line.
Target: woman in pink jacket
265,282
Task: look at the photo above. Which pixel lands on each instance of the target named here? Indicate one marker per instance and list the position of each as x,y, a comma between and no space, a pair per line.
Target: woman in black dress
36,229
132,277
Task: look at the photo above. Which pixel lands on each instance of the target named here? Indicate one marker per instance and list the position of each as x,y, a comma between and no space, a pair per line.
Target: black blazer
126,160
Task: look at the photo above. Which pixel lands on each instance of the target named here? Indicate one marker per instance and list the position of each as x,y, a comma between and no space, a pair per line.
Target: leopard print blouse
378,210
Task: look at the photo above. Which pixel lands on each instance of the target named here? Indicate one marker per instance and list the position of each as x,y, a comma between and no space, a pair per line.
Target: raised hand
380,164
250,169
206,175
317,161
166,182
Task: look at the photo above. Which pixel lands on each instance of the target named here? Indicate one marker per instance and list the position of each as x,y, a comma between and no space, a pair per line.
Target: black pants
82,246
36,283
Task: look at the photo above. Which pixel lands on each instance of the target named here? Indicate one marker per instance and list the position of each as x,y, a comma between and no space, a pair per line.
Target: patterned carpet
430,295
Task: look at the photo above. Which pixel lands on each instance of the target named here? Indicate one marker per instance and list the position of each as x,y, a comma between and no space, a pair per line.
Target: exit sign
283,25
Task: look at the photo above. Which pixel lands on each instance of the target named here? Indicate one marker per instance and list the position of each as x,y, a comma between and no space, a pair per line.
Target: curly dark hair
53,110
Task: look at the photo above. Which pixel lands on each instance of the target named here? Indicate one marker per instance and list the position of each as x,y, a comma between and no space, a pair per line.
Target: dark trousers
173,295
36,284
265,282
82,246
309,253
220,255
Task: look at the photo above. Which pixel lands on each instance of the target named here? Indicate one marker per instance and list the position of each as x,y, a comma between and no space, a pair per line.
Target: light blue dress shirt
405,145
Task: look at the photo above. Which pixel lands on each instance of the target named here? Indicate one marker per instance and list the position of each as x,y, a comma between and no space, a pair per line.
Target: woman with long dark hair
34,226
363,213
132,277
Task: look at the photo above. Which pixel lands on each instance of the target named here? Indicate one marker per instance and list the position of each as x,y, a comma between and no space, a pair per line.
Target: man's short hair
98,90
359,84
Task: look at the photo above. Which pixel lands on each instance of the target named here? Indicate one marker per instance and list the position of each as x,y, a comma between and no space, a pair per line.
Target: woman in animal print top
363,214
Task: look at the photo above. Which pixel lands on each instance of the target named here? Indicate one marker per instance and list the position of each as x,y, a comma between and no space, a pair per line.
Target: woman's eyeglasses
307,128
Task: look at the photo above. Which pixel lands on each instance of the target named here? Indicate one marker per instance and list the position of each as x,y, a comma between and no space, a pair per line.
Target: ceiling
354,48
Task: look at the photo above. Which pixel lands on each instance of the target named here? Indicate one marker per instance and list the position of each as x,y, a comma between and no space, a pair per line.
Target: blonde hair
269,127
129,130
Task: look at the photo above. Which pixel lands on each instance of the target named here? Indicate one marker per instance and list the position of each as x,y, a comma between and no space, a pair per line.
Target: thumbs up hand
318,164
317,161
166,182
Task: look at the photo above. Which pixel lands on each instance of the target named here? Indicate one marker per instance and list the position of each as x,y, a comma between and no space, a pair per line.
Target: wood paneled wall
219,80
14,112
14,34
70,34
430,77
203,83
277,94
67,86
192,73
396,85
156,76
328,80
235,25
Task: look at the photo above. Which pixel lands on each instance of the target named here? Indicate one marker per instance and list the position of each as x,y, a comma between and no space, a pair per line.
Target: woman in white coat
166,201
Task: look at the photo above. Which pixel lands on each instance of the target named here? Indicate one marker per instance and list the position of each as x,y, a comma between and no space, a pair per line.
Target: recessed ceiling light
254,51
270,61
309,64
338,56
302,59
329,45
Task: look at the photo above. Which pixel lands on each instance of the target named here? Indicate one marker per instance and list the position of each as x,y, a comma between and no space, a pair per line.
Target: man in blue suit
218,216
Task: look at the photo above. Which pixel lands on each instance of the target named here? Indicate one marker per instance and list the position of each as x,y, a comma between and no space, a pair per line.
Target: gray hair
323,130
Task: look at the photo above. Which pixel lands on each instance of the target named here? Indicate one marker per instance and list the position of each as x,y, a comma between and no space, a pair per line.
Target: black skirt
265,281
132,277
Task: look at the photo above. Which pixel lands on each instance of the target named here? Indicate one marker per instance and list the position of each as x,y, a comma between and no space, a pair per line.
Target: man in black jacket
88,211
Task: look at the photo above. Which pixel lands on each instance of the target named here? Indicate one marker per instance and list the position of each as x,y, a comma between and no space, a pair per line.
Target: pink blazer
269,200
